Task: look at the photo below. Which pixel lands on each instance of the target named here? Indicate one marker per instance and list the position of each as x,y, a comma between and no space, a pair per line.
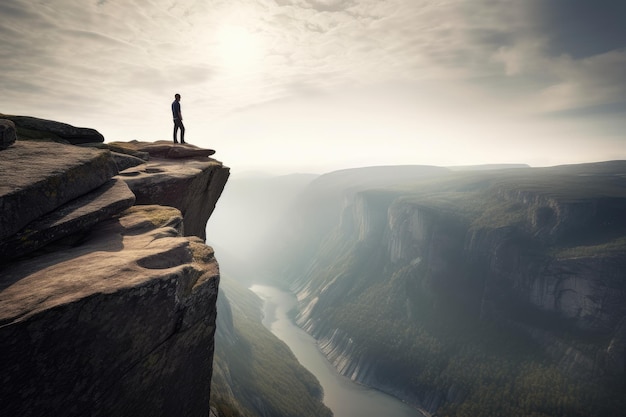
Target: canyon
413,278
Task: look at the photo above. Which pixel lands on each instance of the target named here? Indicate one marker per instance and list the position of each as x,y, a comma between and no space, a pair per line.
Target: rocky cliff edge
107,290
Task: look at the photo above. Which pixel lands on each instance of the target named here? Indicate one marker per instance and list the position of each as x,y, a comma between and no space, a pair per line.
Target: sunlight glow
239,50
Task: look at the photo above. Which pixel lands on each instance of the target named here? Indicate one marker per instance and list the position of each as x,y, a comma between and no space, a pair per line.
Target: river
344,397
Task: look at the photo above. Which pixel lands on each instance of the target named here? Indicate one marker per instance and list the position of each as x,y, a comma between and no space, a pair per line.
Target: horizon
259,174
316,86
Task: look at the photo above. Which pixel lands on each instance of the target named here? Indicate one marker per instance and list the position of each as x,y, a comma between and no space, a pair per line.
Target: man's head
177,96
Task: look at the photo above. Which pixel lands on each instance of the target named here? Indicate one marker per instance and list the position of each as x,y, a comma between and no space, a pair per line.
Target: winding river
344,397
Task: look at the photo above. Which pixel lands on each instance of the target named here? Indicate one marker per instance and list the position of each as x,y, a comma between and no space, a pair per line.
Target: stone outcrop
74,218
107,305
192,185
38,177
163,149
41,129
120,325
8,134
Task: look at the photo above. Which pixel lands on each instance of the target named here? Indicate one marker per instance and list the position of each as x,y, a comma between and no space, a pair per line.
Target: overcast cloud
419,78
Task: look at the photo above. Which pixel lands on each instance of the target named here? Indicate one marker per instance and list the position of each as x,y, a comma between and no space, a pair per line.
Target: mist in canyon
474,290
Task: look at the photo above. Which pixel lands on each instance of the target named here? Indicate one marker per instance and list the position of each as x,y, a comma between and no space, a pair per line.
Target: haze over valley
466,291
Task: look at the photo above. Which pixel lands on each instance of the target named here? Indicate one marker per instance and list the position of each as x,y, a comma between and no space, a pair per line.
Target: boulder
120,325
34,128
8,135
72,219
39,177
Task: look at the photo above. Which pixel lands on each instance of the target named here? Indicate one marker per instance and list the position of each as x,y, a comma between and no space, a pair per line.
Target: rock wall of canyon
546,259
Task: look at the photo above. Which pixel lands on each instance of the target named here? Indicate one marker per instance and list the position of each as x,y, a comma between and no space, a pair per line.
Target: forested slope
469,293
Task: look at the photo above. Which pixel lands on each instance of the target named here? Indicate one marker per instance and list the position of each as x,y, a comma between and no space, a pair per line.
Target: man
178,119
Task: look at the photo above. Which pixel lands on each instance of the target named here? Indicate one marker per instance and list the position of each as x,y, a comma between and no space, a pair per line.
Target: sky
283,86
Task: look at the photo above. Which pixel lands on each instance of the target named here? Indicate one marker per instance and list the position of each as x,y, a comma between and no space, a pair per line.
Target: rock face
164,149
34,128
539,252
121,325
106,308
39,177
72,218
192,185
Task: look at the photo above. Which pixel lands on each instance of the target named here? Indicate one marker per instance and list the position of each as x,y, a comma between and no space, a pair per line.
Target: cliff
429,288
107,290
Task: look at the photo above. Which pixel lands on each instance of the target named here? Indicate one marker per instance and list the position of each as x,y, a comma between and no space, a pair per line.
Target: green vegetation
495,370
158,216
256,374
454,322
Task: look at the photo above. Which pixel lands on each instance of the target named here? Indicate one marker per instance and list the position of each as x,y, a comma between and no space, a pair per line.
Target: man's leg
175,130
182,131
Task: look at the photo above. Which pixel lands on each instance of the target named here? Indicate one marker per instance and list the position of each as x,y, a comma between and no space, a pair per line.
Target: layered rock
193,184
106,308
42,129
120,325
73,218
39,177
541,253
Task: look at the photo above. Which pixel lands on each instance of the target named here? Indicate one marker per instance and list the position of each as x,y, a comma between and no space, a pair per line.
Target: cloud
125,59
564,82
93,53
330,5
17,10
588,82
317,43
579,28
94,38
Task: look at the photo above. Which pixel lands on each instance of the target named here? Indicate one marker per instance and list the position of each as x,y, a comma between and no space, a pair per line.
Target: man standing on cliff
178,119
